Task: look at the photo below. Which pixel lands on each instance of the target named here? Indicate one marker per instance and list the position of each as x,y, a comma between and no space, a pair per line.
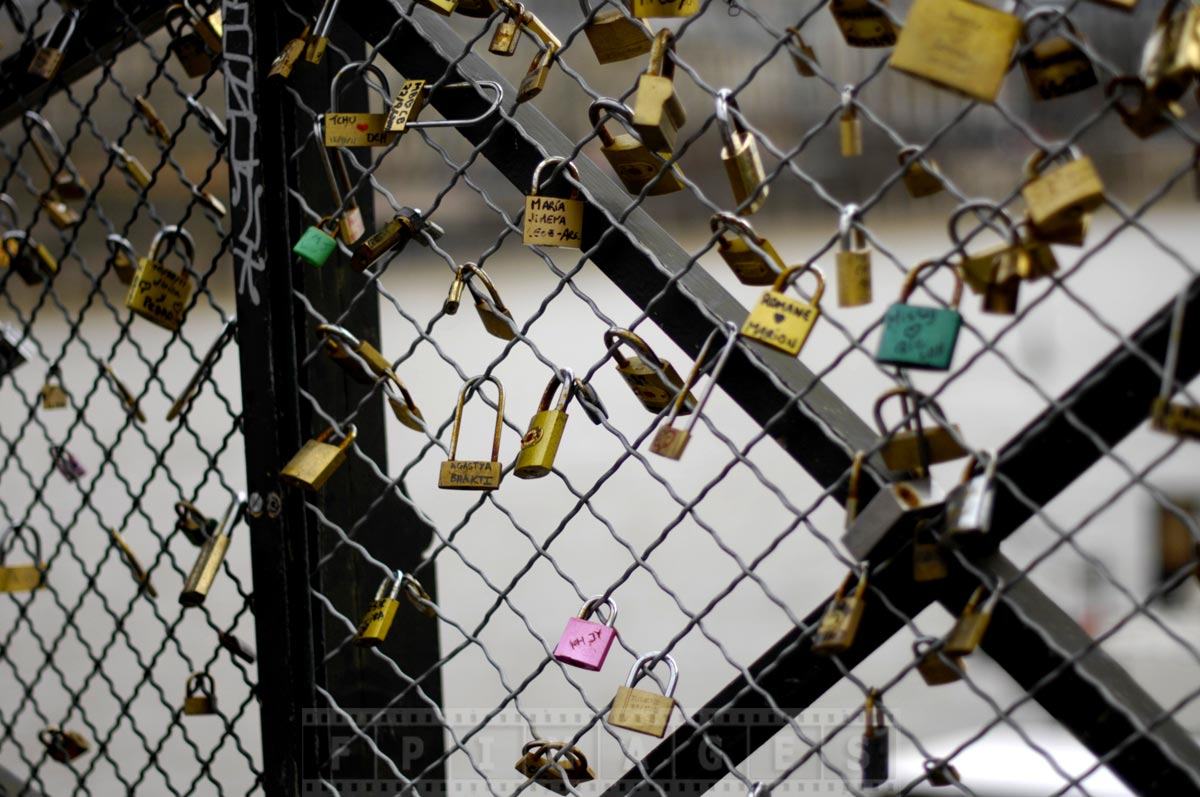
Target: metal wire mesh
105,650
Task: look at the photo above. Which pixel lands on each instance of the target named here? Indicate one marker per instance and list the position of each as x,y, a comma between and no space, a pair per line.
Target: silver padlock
969,504
890,519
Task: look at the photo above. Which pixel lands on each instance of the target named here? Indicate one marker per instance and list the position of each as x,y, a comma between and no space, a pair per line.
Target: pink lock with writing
585,644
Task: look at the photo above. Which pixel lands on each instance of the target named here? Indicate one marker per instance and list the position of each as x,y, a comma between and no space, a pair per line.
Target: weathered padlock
318,42
15,348
212,553
316,244
66,464
496,317
995,272
864,23
781,322
361,361
668,441
227,334
921,176
508,33
30,259
21,578
636,166
928,563
1042,262
407,225
934,665
653,380
1171,56
1055,66
803,55
969,504
642,711
1060,199
291,53
157,293
1167,416
657,112
129,558
552,220
739,154
313,464
584,643
751,257
850,126
60,214
876,746
377,621
348,213
54,394
197,51
615,36
853,261
65,181
405,109
557,772
970,627
540,443
193,524
1150,115
49,57
921,337
912,447
539,68
841,620
941,773
200,697
458,474
957,45
653,9
63,745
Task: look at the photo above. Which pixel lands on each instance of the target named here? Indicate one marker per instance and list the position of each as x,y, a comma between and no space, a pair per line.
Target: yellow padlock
912,447
540,443
458,474
496,317
201,696
615,36
657,112
313,464
21,578
377,621
636,166
1060,199
781,322
743,164
751,257
157,293
642,711
653,380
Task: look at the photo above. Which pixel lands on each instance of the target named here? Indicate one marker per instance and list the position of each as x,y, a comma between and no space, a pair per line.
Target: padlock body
46,63
803,67
781,322
615,37
747,265
394,235
743,166
1171,57
67,745
193,56
204,571
1056,67
902,451
358,130
1002,298
928,564
315,246
585,644
1176,419
839,625
636,167
920,181
53,397
505,39
936,671
863,25
967,633
1063,193
287,59
919,337
497,324
461,474
376,622
540,444
313,465
854,278
535,78
444,7
641,711
653,9
552,776
850,127
22,578
407,414
651,389
159,294
553,221
197,705
60,214
876,750
657,113
669,442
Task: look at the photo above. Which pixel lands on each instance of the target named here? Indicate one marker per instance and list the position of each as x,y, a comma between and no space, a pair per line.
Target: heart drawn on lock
779,317
362,127
912,330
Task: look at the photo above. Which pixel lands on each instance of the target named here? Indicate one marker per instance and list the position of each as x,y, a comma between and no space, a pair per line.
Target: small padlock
196,50
30,259
540,443
969,504
934,665
1060,199
508,32
63,745
552,220
781,322
291,53
921,337
377,621
928,563
15,348
642,711
957,45
130,165
921,176
54,395
654,381
864,23
912,447
584,643
615,36
208,562
555,772
853,261
1042,262
21,578
841,620
407,225
1056,66
194,524
996,272
49,57
668,441
1150,115
65,181
157,293
318,42
941,773
876,746
361,361
970,627
313,464
751,257
1170,58
60,214
654,9
496,317
349,214
1167,416
122,256
537,74
316,245
201,696
743,164
850,125
636,166
803,55
66,464
458,474
657,112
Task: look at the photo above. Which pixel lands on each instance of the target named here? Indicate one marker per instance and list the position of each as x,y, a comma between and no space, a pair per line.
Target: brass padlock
539,68
853,260
508,32
653,380
60,214
1056,66
291,53
651,9
1171,57
200,697
30,259
197,51
969,629
668,441
743,164
615,36
995,272
1181,420
934,665
224,337
65,181
864,23
912,448
1150,115
21,578
365,364
496,317
553,220
751,257
1060,199
131,166
458,474
313,464
318,42
49,57
781,322
348,214
540,443
636,166
928,563
958,45
63,745
803,55
850,125
208,562
1042,262
921,176
642,711
841,620
193,524
157,293
657,112
54,394
554,765
407,225
343,128
377,621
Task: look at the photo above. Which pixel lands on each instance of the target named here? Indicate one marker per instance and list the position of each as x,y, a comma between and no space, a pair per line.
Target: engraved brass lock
921,176
995,272
459,474
63,745
1179,419
291,53
657,112
553,220
743,164
781,322
157,293
653,380
508,32
921,337
557,771
653,9
1171,56
407,225
377,621
49,57
227,334
1055,66
850,126
970,627
539,68
1150,115
208,562
803,55
636,166
313,464
54,394
200,698
359,129
969,504
668,441
615,36
1061,198
21,578
496,317
876,746
585,643
198,49
751,257
642,711
841,620
912,447
194,524
853,261
935,665
540,443
863,23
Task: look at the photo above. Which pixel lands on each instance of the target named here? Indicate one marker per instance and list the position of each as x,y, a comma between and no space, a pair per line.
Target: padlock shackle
1059,17
1040,157
498,97
14,213
615,336
170,233
233,513
538,748
847,99
989,466
793,273
731,334
392,385
564,379
335,187
185,511
641,667
383,88
469,270
72,19
417,596
873,710
570,167
995,212
849,232
728,118
8,539
852,488
471,386
661,62
324,19
390,586
208,118
615,108
227,333
37,127
115,242
592,606
720,222
202,683
339,336
921,402
910,282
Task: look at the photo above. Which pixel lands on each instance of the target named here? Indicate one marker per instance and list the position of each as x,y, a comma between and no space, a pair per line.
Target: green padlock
921,337
316,245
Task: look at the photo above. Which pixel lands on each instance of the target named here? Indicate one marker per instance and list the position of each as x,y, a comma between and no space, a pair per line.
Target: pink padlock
585,644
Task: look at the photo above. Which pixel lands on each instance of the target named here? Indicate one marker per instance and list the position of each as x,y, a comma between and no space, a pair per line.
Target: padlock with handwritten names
585,643
638,710
456,474
780,321
157,293
921,337
553,220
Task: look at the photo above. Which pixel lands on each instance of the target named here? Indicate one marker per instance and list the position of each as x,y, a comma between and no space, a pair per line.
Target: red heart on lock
362,127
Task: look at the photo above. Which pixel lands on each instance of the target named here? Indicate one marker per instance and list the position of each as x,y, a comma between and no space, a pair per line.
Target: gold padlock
290,55
157,293
377,621
642,711
853,261
30,259
781,322
615,36
934,665
1150,115
553,220
928,563
193,524
1056,66
668,441
803,55
200,697
864,23
540,443
1060,199
969,629
49,57
496,317
508,32
636,166
342,128
365,364
54,395
995,272
921,176
21,578
1179,419
751,257
197,50
850,125
653,380
130,165
458,474
539,68
150,118
122,256
657,112
650,9
208,562
554,770
743,164
912,448
1171,57
409,224
313,464
63,745
841,620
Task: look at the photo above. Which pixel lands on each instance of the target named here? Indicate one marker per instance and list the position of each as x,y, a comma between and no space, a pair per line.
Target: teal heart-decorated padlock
921,337
316,245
